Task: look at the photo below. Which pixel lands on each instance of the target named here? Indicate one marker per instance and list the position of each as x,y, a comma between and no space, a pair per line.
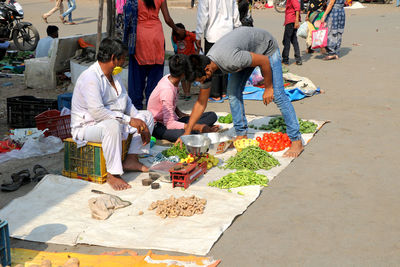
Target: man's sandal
39,172
18,179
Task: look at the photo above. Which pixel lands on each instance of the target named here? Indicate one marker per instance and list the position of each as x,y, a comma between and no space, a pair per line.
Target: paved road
338,204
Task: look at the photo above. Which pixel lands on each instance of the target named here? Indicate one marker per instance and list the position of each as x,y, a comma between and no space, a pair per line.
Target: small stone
141,212
155,185
147,182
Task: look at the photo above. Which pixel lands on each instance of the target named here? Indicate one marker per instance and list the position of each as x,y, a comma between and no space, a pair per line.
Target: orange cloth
149,35
28,257
83,44
186,46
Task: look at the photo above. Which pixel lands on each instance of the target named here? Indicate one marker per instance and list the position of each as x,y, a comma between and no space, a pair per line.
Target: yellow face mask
117,70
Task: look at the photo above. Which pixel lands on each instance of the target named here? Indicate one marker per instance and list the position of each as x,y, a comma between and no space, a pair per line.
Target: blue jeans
71,7
236,86
142,78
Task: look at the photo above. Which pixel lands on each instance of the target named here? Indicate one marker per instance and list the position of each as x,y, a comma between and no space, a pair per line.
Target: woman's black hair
178,65
174,33
150,4
196,67
109,47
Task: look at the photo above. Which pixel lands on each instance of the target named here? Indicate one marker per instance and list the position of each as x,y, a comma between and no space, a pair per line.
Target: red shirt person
292,23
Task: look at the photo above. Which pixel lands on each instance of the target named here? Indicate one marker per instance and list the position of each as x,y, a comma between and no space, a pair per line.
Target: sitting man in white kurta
103,112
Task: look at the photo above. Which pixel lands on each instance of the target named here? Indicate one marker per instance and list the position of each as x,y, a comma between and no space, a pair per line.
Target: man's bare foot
117,183
62,19
132,163
295,149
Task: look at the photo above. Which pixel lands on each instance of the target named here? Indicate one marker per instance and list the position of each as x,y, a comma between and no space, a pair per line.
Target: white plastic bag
302,31
35,147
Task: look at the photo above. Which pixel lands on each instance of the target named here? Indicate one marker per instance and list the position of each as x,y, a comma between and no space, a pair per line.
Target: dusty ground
336,205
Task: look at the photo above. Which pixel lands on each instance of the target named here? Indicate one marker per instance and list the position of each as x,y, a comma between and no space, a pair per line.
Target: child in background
292,23
184,44
170,121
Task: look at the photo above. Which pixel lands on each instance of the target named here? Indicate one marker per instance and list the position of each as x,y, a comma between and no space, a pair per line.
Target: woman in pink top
148,61
170,121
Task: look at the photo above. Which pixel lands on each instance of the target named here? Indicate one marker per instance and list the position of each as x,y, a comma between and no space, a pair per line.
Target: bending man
103,112
239,52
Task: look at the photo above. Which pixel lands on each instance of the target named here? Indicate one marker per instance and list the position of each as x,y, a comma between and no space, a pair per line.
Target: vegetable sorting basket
57,125
196,143
243,143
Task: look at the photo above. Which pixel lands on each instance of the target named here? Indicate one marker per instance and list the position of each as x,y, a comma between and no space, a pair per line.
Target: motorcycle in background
24,35
280,5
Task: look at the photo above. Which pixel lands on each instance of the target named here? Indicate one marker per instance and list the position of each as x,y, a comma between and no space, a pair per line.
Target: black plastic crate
21,110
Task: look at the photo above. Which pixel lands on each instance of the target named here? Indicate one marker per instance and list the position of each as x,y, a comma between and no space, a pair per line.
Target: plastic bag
302,31
35,147
319,38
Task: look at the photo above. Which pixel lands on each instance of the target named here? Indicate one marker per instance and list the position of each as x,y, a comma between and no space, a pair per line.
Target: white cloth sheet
56,210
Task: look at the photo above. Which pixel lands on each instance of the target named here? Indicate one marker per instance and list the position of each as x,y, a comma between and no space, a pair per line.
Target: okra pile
240,178
176,150
252,158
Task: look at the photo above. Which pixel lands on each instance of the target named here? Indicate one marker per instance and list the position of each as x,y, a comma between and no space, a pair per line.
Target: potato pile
184,206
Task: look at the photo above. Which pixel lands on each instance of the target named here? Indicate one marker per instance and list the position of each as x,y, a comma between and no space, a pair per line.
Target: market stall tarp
299,87
56,210
28,257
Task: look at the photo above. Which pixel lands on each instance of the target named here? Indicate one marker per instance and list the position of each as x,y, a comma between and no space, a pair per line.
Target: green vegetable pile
240,178
176,150
278,124
252,158
225,119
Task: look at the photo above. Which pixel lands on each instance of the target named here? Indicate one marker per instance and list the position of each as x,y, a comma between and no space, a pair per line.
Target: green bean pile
252,158
176,150
240,178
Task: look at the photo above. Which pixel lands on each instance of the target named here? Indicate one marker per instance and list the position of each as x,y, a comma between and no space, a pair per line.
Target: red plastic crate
59,126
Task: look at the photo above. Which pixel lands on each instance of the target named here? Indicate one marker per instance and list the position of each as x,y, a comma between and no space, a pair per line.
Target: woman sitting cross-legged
170,121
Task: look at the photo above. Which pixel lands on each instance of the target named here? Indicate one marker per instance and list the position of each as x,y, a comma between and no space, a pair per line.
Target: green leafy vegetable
278,124
176,150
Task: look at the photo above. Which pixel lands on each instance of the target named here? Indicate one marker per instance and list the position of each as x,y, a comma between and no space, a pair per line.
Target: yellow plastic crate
88,163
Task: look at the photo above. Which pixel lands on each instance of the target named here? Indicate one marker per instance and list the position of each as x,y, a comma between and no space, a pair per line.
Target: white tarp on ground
56,211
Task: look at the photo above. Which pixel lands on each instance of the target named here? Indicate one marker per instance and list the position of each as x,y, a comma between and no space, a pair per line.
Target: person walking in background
215,18
59,6
335,19
119,21
71,7
315,11
185,44
146,60
292,23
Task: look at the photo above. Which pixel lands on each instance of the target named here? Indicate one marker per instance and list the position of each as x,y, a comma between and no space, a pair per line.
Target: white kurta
215,18
99,113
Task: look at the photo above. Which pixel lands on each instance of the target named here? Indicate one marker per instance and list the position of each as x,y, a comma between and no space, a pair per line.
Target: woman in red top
148,61
184,44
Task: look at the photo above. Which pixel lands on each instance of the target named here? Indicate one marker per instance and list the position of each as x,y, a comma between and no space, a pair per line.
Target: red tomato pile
274,141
